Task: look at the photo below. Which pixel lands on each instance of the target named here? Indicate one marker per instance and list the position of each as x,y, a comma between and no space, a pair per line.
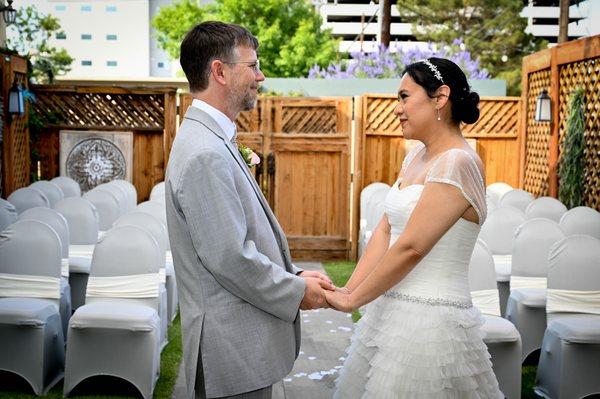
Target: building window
86,63
111,37
86,8
111,63
111,8
86,36
61,36
60,8
161,64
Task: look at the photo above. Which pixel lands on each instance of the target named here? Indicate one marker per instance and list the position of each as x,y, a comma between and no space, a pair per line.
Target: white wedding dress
422,338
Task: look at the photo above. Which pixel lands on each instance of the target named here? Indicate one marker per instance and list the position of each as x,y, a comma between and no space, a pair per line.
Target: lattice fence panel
584,74
496,117
537,146
308,119
80,110
380,116
249,121
20,144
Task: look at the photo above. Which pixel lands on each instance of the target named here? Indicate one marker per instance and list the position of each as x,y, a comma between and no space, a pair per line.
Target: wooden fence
14,131
305,143
560,70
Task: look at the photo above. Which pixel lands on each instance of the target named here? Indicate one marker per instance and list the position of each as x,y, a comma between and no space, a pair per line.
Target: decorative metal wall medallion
95,161
94,157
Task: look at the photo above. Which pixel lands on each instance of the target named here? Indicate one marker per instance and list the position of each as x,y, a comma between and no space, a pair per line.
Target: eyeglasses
254,65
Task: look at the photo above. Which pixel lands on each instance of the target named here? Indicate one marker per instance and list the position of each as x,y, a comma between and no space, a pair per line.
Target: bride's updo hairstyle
435,72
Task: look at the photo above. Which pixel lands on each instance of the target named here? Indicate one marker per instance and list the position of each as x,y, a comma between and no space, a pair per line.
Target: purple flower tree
386,64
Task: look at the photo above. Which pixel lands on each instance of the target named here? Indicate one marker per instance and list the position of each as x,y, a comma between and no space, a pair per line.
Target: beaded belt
428,301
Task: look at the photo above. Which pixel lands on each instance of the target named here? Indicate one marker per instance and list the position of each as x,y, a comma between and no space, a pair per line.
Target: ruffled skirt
404,349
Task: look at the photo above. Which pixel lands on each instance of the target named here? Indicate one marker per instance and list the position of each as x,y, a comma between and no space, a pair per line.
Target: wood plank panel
310,140
148,163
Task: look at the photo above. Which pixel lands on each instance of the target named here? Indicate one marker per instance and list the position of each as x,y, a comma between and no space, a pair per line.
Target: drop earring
438,114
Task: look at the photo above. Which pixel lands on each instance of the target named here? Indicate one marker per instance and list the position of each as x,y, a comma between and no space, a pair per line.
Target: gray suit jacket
238,292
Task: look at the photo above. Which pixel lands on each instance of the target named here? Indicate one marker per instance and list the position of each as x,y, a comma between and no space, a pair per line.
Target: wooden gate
304,144
308,147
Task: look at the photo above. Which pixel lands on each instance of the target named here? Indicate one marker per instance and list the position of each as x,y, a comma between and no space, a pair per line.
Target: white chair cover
58,222
131,192
546,207
107,205
35,272
500,335
81,218
121,314
499,229
25,198
158,192
51,190
365,197
581,220
517,198
482,280
568,366
8,214
156,209
574,276
69,186
495,191
531,246
120,192
526,307
32,344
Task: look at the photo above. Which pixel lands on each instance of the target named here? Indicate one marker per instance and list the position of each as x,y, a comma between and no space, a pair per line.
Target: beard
248,101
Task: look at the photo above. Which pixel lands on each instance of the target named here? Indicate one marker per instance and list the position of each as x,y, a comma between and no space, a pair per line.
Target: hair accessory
433,69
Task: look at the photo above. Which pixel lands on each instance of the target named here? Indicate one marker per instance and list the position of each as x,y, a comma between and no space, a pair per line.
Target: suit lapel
205,119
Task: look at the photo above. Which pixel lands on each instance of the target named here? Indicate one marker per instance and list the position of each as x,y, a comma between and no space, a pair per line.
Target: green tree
30,37
289,31
492,30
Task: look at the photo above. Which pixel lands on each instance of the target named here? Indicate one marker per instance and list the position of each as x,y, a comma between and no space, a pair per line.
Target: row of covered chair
80,216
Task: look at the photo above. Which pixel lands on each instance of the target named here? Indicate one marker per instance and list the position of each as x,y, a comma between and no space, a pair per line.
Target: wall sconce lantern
16,101
8,13
543,107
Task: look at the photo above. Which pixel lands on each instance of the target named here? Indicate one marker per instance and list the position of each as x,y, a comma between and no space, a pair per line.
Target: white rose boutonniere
249,156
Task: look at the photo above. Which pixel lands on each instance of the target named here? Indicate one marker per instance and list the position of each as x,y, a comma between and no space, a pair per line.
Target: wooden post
563,22
554,125
15,141
386,22
170,128
357,174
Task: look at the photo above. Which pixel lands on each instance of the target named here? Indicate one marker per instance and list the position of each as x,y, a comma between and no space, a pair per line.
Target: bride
421,336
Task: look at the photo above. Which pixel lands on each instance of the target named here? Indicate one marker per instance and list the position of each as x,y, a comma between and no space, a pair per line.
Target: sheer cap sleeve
458,168
411,155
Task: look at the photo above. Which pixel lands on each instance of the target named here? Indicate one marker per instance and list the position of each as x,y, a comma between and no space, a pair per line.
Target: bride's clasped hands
341,300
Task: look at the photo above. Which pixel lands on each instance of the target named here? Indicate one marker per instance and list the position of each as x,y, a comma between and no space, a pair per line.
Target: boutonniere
249,156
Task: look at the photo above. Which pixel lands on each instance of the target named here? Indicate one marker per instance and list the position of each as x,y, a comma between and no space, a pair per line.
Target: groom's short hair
207,42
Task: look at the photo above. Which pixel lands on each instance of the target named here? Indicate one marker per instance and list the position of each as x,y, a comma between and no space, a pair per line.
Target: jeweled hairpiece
433,69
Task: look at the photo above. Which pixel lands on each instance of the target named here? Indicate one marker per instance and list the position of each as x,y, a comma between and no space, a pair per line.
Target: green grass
170,358
340,272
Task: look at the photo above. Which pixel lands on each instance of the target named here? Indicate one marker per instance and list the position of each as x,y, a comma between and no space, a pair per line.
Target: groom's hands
314,294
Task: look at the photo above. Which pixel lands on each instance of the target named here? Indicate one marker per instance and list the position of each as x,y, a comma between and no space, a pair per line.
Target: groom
239,292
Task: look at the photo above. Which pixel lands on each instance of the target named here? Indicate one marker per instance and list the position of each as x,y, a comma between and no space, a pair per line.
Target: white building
107,38
543,15
352,20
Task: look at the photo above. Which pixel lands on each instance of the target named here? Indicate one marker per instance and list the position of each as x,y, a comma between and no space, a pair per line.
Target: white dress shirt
222,120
